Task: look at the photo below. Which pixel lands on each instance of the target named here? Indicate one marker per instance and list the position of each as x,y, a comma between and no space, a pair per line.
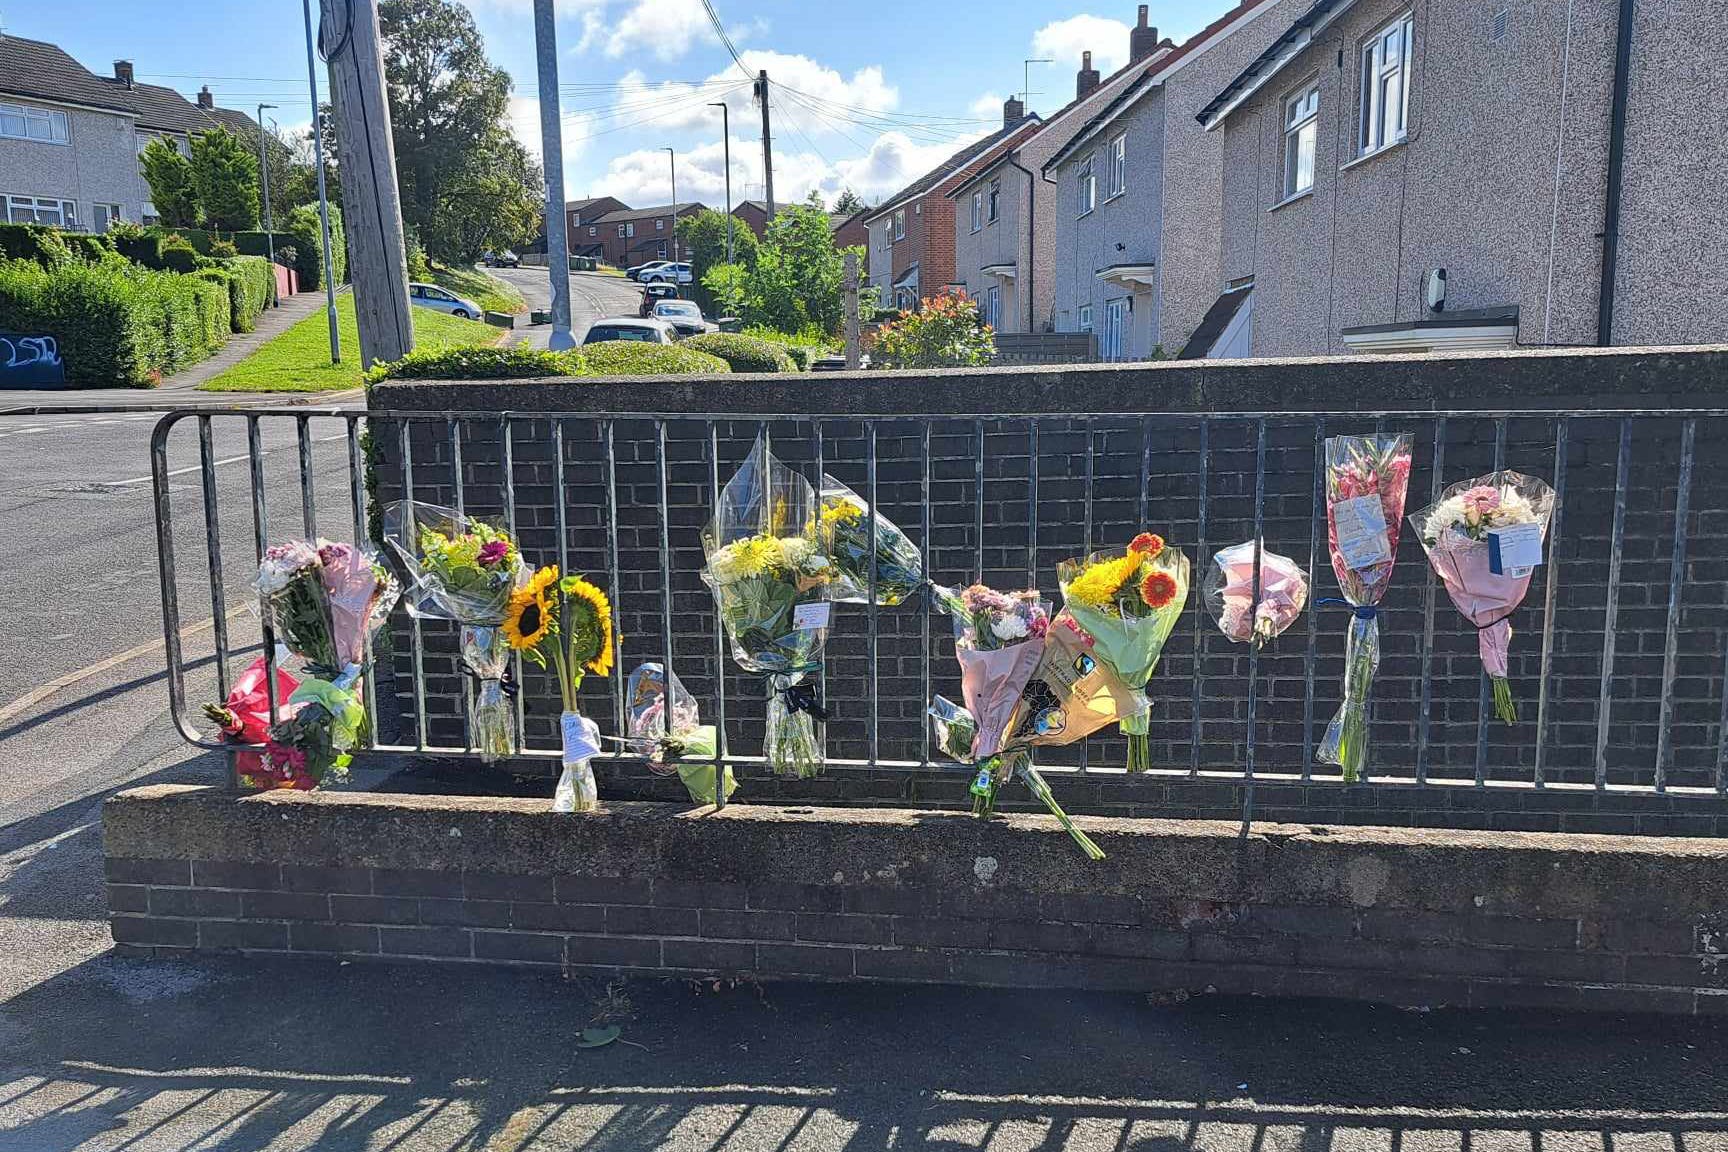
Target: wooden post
854,352
366,162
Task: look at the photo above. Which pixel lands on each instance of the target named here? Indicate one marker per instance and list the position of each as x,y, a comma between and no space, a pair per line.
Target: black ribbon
1360,611
506,682
802,698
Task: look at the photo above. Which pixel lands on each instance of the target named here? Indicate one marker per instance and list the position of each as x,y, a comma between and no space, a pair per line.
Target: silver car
684,316
432,296
643,330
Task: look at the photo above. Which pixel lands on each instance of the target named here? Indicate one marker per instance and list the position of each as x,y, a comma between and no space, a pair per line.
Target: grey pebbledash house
1135,189
70,139
1436,177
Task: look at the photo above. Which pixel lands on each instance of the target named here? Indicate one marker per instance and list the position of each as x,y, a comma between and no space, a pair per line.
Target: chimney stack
205,99
1087,80
1013,111
1142,41
123,72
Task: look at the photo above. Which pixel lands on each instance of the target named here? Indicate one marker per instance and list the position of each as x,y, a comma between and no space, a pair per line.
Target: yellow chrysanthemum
1098,585
840,512
588,615
529,619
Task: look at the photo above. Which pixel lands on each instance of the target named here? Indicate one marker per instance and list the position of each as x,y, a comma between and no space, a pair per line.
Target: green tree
466,184
849,203
169,175
805,244
702,237
225,174
947,332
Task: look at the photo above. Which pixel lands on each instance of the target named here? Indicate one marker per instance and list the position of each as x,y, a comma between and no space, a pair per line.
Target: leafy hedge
743,353
50,247
639,358
613,358
250,284
115,325
301,236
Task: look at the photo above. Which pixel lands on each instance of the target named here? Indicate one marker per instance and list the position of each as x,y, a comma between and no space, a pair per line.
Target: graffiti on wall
30,361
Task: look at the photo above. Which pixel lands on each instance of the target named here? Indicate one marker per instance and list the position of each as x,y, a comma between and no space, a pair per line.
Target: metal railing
1620,651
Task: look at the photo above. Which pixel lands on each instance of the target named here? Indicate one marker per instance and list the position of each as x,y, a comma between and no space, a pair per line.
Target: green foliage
638,358
173,188
849,203
702,238
225,174
177,254
35,242
743,353
512,363
251,285
303,225
946,332
485,289
139,245
221,248
795,281
728,286
419,268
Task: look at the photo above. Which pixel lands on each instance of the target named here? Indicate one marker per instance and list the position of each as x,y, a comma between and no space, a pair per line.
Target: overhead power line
720,31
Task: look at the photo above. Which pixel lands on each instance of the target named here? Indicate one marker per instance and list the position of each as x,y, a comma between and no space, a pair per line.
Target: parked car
636,271
432,296
504,259
647,330
668,273
684,316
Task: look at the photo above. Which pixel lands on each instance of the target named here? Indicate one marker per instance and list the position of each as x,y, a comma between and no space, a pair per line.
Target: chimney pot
1013,111
1087,79
205,99
123,72
1142,39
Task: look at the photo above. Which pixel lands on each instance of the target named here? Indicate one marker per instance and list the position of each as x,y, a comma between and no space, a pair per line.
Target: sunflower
1158,589
530,618
588,616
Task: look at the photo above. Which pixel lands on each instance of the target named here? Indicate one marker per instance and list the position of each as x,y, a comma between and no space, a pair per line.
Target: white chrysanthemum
726,565
1009,627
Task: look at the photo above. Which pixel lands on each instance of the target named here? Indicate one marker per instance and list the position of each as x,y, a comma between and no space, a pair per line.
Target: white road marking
217,464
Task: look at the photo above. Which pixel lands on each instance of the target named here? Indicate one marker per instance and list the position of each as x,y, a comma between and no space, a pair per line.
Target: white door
1116,314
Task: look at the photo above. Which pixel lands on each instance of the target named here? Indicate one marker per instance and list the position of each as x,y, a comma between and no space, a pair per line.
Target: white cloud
666,29
892,162
988,106
525,126
1065,40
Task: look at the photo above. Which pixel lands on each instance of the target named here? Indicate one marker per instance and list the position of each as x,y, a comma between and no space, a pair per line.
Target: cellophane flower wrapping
770,577
1127,602
244,718
1366,481
464,569
1230,594
577,790
844,526
680,745
1463,534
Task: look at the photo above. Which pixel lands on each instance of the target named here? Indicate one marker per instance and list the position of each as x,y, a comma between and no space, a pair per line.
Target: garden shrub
108,333
177,254
638,358
743,353
139,246
513,363
946,332
221,248
37,242
251,288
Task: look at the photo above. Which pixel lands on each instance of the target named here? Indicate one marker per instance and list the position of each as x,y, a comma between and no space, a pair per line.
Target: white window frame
620,231
55,125
98,210
900,224
659,224
977,210
1118,167
993,202
1386,85
1088,187
630,229
1118,319
1301,120
1083,318
593,231
67,210
993,305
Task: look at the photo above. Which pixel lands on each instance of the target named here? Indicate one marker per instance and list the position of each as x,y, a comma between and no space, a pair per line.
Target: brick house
911,234
70,139
1401,177
848,228
629,236
754,214
1137,213
579,215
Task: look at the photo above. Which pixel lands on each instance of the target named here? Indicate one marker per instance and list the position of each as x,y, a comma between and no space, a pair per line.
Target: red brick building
624,237
580,215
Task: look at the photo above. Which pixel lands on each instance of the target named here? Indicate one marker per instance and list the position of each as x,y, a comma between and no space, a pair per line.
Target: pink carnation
493,552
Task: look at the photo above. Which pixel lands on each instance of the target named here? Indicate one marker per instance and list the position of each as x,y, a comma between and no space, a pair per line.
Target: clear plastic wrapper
1230,594
1126,603
1484,539
1366,481
464,569
678,745
844,528
770,578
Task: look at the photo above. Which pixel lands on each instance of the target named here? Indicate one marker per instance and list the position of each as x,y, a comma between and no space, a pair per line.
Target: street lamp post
673,157
726,148
264,175
552,159
323,198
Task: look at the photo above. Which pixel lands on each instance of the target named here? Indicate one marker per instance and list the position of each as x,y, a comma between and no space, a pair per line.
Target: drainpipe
1616,174
1053,184
1031,242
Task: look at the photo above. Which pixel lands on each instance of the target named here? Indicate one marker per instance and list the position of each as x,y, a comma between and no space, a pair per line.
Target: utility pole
767,142
726,151
552,155
854,352
264,175
377,263
323,197
673,157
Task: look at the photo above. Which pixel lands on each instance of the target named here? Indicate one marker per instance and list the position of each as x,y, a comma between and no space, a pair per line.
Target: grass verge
485,289
299,359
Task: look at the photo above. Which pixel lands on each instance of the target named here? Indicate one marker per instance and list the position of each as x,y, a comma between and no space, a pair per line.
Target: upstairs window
1386,84
659,224
1301,115
25,122
995,213
1118,167
1088,188
900,224
977,211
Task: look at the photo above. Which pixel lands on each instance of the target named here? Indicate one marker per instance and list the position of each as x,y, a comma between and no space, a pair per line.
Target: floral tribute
1366,481
1242,614
1125,604
565,623
244,719
465,570
1484,539
675,742
852,536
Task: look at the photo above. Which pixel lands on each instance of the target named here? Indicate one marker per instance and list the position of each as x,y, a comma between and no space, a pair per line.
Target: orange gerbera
1158,589
1148,544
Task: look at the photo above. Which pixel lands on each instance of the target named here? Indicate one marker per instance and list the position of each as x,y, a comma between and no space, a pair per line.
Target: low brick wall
1455,918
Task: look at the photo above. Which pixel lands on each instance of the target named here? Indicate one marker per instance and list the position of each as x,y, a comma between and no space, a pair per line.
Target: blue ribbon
1361,611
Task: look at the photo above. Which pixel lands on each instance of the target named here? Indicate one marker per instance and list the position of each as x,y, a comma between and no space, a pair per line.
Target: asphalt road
592,297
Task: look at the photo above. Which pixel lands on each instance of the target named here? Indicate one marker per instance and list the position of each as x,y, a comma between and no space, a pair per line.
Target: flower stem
1504,706
1042,790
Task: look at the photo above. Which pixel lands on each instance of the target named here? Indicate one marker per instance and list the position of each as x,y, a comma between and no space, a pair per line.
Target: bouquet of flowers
1366,479
770,578
244,718
467,571
1127,603
1483,540
850,535
324,601
1230,594
676,744
566,623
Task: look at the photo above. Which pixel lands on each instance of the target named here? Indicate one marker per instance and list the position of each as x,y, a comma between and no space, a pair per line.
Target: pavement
111,1053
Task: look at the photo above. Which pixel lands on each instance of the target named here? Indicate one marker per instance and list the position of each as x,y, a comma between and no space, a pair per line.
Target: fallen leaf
598,1037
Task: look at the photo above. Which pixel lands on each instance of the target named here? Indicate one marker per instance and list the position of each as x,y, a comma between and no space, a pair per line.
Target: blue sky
870,94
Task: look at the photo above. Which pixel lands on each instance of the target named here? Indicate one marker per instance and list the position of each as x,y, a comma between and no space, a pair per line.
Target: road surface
592,297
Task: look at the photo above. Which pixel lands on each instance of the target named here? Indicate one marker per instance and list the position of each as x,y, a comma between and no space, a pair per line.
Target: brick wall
1201,674
1456,918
